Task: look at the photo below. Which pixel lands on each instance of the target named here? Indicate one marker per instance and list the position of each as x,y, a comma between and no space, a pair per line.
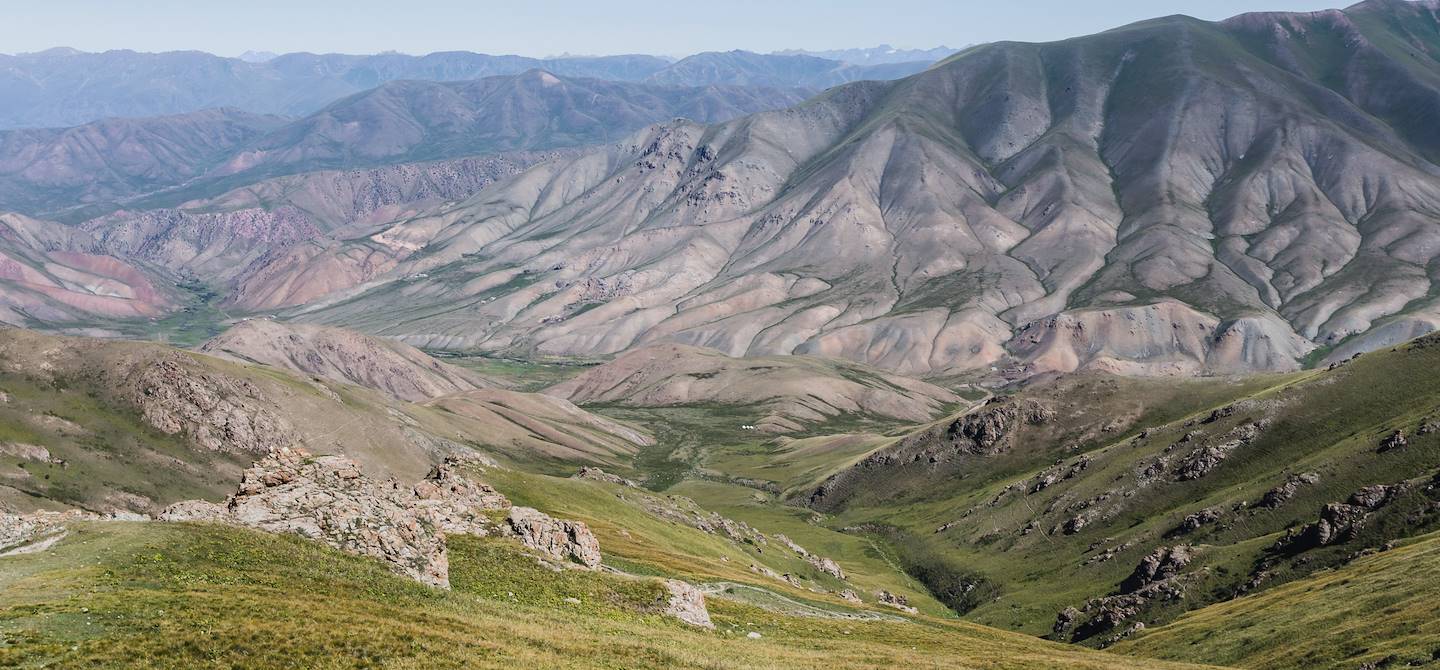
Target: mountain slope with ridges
1171,196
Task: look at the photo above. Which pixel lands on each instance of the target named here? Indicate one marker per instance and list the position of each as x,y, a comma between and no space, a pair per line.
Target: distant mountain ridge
65,87
877,55
111,161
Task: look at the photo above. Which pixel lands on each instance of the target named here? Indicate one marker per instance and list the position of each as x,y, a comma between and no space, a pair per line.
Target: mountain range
65,87
1111,352
876,55
1173,196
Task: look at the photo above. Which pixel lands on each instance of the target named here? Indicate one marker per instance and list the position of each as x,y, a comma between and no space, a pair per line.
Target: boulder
687,603
1395,440
565,541
826,566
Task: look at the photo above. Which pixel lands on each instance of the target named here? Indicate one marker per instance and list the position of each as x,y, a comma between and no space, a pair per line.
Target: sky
551,27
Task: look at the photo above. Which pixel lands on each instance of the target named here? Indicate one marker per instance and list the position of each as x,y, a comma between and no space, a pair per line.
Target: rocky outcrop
1162,564
329,499
1339,522
1286,490
687,603
986,431
598,475
1195,521
1157,578
214,410
453,503
1395,440
564,541
896,601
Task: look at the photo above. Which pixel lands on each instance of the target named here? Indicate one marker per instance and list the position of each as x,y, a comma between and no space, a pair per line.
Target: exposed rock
1075,524
850,596
559,539
1337,523
899,602
26,533
327,498
1395,440
598,475
1206,458
1156,578
28,452
1064,621
827,566
687,604
195,510
214,410
1162,564
1284,492
1193,522
1374,496
454,504
1219,414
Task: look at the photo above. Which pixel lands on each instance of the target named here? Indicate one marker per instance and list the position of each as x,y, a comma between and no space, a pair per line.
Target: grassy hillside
1381,609
1043,547
193,596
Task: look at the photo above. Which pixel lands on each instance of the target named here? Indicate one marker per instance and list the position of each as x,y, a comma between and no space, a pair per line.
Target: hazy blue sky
545,27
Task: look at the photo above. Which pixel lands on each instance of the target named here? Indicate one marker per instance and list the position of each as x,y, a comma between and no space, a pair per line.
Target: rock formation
687,603
564,541
329,499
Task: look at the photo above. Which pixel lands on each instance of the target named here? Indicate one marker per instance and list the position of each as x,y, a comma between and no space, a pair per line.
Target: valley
1110,351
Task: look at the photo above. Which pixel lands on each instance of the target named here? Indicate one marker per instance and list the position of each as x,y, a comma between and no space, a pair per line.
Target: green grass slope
150,595
983,520
1383,609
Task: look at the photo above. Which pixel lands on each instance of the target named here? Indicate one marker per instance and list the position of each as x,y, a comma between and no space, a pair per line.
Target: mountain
65,87
411,121
220,238
258,56
190,156
775,70
1174,196
116,158
787,392
882,54
399,371
59,276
